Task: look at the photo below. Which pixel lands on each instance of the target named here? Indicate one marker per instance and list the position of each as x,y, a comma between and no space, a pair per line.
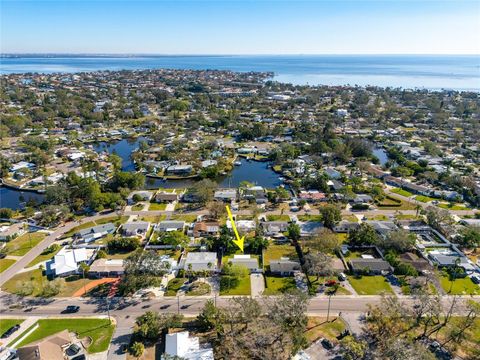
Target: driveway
257,284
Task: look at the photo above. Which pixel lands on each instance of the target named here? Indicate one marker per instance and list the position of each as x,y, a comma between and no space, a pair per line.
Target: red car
330,283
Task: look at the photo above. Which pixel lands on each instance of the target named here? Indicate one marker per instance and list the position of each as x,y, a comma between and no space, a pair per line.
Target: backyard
275,252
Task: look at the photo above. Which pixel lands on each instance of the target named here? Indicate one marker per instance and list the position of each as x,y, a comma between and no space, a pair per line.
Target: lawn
463,286
318,327
6,324
406,217
23,244
153,218
370,285
230,285
114,219
453,206
186,218
275,252
198,288
316,283
402,192
138,207
278,284
86,225
317,218
34,280
424,199
378,218
174,285
278,218
5,264
156,207
100,331
44,256
342,237
351,218
170,252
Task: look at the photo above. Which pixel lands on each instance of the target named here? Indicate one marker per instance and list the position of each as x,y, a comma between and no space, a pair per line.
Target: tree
364,235
399,240
137,349
216,209
437,217
257,244
151,325
331,216
324,240
203,190
209,317
318,264
353,349
469,237
116,161
293,232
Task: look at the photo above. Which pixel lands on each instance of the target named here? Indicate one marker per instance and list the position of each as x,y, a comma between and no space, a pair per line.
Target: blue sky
241,27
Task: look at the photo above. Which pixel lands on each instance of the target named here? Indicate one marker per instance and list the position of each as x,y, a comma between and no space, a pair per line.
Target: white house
200,261
183,346
66,262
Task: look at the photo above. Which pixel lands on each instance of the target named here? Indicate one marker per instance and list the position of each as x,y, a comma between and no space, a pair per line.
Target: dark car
10,331
163,307
79,357
185,306
327,344
73,349
71,309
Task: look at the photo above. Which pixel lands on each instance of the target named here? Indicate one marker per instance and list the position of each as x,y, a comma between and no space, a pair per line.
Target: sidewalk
23,326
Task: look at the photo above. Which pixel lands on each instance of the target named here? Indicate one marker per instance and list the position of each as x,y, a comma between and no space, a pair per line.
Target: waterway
122,148
381,154
15,199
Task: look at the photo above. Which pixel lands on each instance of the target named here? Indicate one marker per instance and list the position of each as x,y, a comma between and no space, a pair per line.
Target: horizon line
220,54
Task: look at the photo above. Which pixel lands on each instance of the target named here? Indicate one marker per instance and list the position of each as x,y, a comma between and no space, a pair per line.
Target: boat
237,163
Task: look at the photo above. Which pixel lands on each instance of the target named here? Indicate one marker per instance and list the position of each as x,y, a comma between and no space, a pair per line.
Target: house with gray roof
201,261
284,266
170,225
370,266
251,263
135,228
95,232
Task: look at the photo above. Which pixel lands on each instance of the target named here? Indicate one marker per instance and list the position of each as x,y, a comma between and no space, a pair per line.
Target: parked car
79,357
10,331
475,279
342,276
70,309
327,344
73,349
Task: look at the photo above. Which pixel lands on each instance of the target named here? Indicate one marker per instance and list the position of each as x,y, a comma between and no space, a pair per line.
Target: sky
240,27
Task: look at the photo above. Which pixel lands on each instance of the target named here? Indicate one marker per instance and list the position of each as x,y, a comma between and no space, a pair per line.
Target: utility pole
328,311
178,304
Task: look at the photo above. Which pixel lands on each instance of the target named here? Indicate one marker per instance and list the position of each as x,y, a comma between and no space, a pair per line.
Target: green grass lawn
113,219
342,237
351,218
310,217
318,327
230,285
153,218
156,207
5,264
23,244
6,324
370,285
174,285
278,218
453,206
278,284
275,252
316,283
44,256
424,199
402,192
464,286
36,280
378,217
87,225
100,331
405,217
138,207
198,288
186,218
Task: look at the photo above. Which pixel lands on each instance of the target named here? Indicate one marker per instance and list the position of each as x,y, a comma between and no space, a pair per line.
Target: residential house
170,225
251,263
206,228
244,226
182,346
255,193
274,228
312,196
310,228
101,268
67,261
180,169
345,226
10,232
201,261
49,348
284,266
370,266
95,232
166,197
141,194
136,228
226,195
383,228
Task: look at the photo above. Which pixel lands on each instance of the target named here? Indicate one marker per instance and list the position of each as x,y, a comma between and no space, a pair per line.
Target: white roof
67,260
182,345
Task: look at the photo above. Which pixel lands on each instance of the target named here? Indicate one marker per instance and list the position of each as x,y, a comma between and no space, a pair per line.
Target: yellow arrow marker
239,241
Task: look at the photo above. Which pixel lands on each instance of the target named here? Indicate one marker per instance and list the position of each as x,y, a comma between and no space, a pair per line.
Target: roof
166,196
107,265
372,264
182,345
136,225
67,260
201,258
171,225
104,228
49,348
244,260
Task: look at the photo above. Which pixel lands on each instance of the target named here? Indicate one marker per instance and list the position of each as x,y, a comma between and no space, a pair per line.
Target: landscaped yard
5,264
138,207
6,324
370,285
317,218
424,199
278,218
198,288
174,285
23,244
156,207
316,283
44,256
186,218
318,327
230,285
463,286
278,284
153,218
402,192
34,282
100,331
453,206
275,252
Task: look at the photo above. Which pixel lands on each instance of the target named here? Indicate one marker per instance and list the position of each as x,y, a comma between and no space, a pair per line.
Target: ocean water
406,71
